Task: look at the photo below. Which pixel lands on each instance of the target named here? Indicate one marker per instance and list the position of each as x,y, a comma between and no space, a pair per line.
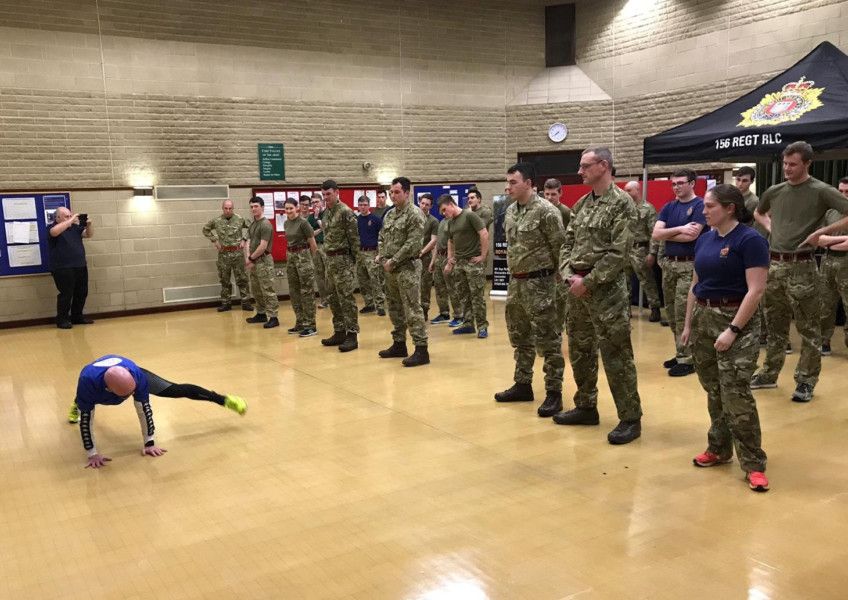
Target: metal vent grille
192,192
193,293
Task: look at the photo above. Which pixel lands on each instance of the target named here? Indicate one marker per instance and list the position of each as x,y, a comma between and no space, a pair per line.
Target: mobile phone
83,218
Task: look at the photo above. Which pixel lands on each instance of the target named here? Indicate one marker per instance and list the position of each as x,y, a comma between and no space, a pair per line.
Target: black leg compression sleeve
166,389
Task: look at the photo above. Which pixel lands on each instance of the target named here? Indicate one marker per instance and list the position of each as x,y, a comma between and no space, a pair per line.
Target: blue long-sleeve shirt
369,230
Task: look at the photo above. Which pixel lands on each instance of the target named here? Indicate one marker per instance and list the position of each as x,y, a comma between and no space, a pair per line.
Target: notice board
24,219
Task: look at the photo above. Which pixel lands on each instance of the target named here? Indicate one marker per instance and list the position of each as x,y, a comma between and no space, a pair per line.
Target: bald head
634,189
227,208
119,381
61,214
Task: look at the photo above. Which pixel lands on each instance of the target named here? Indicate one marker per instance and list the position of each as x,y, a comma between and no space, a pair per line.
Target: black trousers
72,284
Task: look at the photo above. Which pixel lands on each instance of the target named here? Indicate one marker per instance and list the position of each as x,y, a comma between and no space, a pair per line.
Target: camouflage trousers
562,304
319,259
369,274
792,291
726,377
340,286
601,321
231,264
262,285
531,313
470,280
300,271
403,296
427,283
833,285
644,273
676,281
445,289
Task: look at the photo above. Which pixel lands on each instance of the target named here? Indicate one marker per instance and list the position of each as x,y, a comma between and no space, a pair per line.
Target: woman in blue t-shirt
731,266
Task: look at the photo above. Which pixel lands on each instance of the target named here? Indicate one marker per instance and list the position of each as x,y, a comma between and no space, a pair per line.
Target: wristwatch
734,329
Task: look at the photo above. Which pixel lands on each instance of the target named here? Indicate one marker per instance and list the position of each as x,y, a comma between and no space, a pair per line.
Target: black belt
720,302
368,248
829,252
533,274
298,248
681,258
582,272
792,256
641,244
337,252
230,248
440,252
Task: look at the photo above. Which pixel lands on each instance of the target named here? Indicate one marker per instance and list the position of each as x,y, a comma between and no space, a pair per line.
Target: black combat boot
519,392
420,357
396,350
224,308
655,315
257,318
272,322
625,432
578,416
336,339
350,342
552,404
246,305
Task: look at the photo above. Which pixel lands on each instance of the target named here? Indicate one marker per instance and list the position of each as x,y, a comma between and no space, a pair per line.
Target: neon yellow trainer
235,403
74,414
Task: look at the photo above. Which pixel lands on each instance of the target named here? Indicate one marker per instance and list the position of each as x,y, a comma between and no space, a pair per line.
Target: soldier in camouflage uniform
797,206
300,270
833,276
227,234
722,326
399,249
260,266
443,282
553,194
428,244
641,258
534,234
341,244
592,262
320,257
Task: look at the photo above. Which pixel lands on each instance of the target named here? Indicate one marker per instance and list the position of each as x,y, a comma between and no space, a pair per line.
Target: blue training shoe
440,319
455,323
483,333
464,329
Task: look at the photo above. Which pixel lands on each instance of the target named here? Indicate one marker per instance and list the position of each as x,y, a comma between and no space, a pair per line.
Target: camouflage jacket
598,236
229,232
534,235
400,237
340,229
642,227
485,214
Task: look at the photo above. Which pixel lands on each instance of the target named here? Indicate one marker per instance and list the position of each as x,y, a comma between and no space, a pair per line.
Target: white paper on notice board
281,222
21,232
18,208
24,256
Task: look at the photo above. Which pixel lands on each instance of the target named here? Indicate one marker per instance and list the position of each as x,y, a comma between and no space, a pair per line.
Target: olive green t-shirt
798,210
485,214
258,231
464,231
431,227
298,231
751,202
442,235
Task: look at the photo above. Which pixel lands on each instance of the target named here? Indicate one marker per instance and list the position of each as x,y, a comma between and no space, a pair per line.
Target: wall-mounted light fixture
143,193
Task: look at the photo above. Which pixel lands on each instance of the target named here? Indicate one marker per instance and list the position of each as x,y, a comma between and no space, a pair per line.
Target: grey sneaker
803,393
759,382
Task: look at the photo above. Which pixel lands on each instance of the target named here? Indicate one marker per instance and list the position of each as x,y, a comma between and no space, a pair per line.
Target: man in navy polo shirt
367,269
679,224
68,267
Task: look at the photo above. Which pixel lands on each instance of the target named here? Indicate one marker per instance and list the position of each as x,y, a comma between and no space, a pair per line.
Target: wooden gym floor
352,477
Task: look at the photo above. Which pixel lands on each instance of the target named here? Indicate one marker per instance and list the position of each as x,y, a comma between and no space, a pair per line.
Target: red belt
298,248
230,248
720,302
582,272
792,256
681,258
533,274
337,252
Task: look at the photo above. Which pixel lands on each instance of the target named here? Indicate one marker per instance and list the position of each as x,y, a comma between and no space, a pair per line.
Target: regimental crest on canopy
793,101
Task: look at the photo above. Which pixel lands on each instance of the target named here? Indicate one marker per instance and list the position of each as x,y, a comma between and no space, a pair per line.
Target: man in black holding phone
68,267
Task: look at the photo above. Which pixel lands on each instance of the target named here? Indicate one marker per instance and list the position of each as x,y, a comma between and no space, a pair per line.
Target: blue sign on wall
459,191
24,219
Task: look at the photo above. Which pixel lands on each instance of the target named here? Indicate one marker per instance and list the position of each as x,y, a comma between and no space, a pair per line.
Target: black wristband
734,329
149,443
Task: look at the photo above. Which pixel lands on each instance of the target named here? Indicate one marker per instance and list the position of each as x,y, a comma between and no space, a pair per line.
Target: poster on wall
500,269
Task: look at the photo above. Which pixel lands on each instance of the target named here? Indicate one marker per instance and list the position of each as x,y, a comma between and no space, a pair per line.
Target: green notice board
272,163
